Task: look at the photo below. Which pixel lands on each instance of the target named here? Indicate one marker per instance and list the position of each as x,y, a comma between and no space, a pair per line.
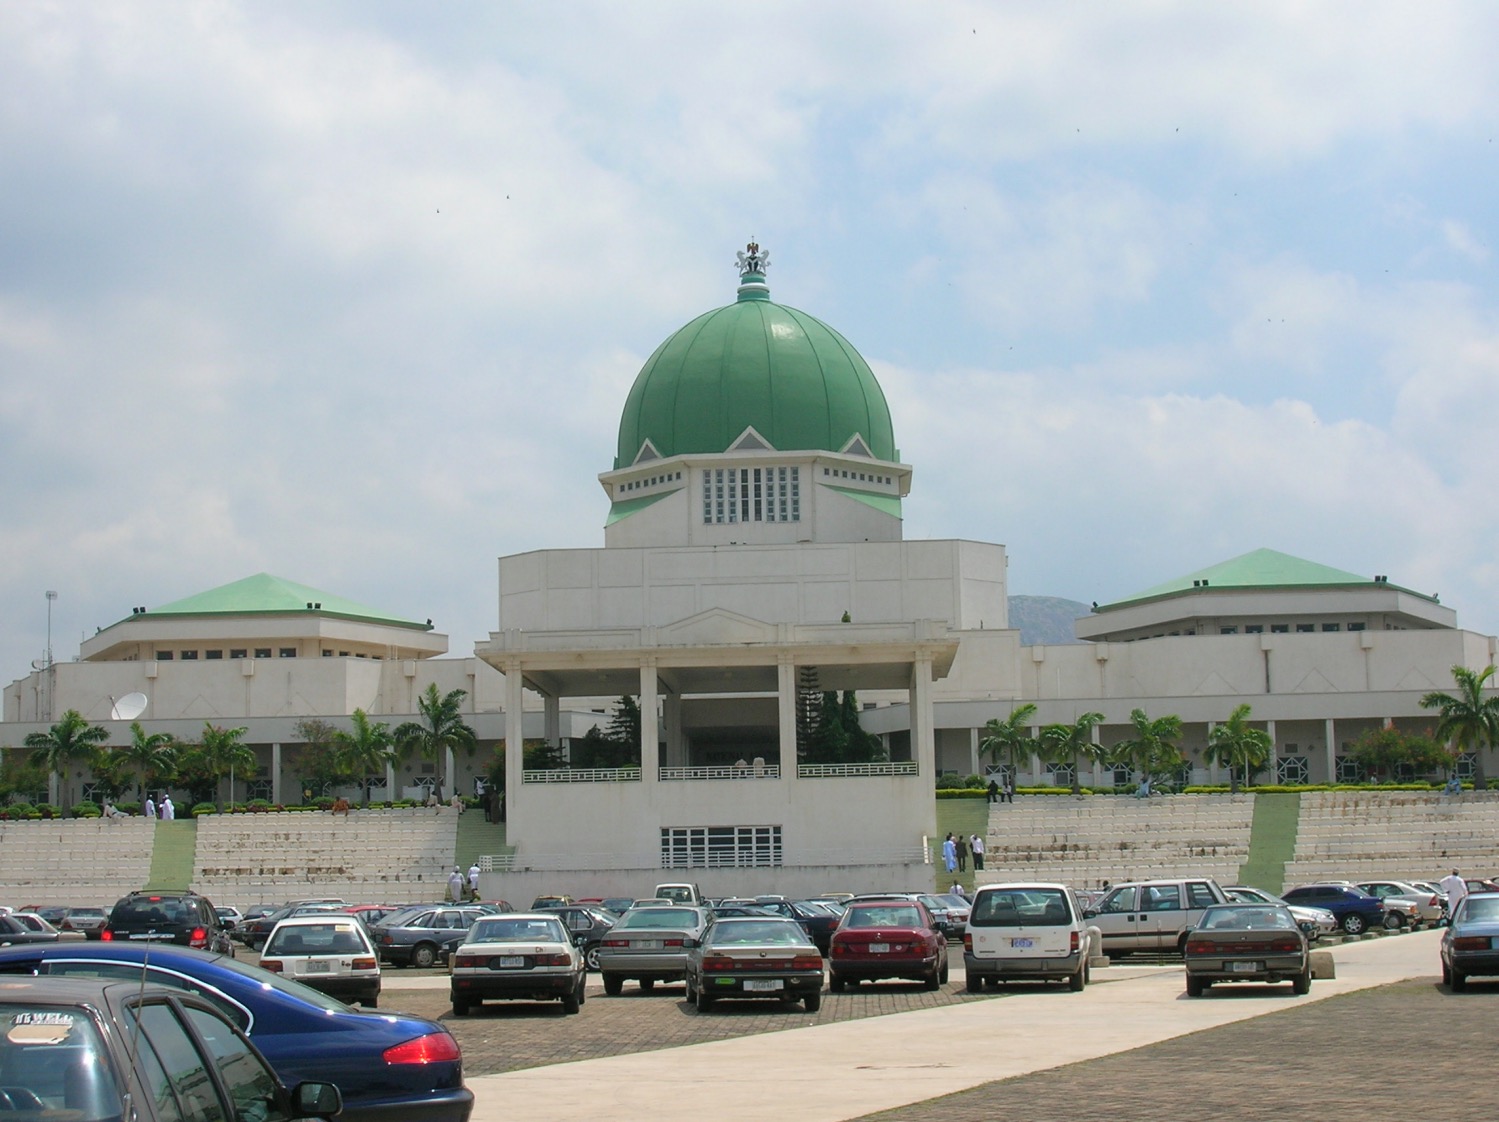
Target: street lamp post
51,673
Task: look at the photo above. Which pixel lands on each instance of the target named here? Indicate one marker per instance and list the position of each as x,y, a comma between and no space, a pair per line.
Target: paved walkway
830,1073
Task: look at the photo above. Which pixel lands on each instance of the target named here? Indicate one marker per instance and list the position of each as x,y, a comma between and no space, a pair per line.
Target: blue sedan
389,1067
1470,945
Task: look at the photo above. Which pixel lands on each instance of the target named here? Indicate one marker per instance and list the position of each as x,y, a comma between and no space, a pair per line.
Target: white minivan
1027,932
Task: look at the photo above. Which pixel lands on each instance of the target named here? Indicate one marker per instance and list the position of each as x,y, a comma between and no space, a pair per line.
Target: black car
586,925
254,932
183,918
94,1049
818,923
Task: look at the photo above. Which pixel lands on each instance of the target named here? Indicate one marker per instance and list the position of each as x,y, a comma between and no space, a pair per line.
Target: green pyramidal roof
264,594
1262,568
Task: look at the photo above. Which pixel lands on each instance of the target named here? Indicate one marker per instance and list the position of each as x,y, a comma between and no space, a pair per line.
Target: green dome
799,383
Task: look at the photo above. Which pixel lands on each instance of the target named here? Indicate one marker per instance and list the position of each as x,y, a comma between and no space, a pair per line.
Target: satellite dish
129,707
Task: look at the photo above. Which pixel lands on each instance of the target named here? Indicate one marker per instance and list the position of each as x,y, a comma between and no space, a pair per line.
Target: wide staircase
1354,835
1084,842
366,856
74,861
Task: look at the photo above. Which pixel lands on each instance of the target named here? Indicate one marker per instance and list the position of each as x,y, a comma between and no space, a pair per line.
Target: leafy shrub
201,809
87,810
48,810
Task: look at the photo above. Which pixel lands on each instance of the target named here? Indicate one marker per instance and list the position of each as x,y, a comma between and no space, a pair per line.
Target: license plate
512,961
1022,944
1244,967
647,944
879,948
763,985
316,967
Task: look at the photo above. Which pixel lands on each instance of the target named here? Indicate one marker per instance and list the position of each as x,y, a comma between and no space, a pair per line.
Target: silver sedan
649,944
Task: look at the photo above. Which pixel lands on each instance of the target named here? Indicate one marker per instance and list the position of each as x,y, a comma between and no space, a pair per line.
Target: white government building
754,531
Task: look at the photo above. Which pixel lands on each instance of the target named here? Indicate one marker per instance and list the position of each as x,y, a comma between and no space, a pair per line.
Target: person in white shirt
1455,888
168,811
473,881
976,844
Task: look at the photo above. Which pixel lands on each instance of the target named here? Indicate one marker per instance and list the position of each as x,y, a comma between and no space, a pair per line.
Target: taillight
968,942
1200,946
106,936
467,962
1283,946
616,942
671,942
199,937
718,962
807,962
434,1048
553,960
364,964
1471,943
1074,944
271,964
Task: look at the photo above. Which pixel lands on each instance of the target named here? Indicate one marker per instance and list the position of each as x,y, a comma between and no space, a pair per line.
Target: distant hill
1045,619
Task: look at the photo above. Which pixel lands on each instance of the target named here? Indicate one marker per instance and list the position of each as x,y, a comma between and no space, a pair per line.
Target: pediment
1213,686
716,627
1314,682
857,447
199,708
647,453
751,441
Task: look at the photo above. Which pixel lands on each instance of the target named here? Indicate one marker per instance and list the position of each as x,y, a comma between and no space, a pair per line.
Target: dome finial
752,265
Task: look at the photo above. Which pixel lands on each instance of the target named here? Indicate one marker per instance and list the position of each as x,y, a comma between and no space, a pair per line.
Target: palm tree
1239,747
149,755
1066,744
369,746
1008,736
1153,750
224,753
65,743
1470,721
444,727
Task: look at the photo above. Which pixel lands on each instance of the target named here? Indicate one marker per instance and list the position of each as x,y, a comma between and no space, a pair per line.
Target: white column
1097,738
390,780
973,752
1213,767
449,771
786,713
650,732
1332,751
276,775
1272,771
923,738
515,745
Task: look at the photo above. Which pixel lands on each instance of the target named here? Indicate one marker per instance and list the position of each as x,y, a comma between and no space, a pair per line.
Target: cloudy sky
352,293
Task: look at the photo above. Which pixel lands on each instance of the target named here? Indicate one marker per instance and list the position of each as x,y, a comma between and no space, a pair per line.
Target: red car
892,938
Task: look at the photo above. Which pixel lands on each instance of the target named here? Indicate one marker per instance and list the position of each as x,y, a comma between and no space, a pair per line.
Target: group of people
1002,794
956,850
166,811
461,888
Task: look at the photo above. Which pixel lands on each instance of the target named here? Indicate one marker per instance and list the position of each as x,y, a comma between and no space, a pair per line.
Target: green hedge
1205,789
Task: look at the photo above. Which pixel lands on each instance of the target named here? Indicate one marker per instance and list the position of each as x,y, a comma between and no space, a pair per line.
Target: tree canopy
1469,721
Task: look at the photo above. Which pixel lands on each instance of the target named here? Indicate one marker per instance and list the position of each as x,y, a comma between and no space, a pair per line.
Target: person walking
960,843
1456,888
168,811
976,844
455,885
473,881
949,855
150,808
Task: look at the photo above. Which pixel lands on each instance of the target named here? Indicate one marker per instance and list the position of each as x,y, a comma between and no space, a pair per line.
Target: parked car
819,923
1247,943
1314,922
1470,944
34,922
517,957
237,932
586,926
331,953
1152,915
86,920
229,916
768,956
387,1065
892,938
422,937
14,932
551,902
183,918
616,905
1417,906
1027,932
649,945
90,1049
681,892
254,932
1355,909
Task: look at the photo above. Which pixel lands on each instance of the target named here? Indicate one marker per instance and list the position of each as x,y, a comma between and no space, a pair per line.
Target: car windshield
85,913
44,1049
517,931
336,938
671,918
883,915
757,932
1481,908
1016,908
1239,917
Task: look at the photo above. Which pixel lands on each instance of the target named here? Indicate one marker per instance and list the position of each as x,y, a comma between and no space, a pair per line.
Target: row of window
720,847
242,652
1284,628
655,480
861,476
771,494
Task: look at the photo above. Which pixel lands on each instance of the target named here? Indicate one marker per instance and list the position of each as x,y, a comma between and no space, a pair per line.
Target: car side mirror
690,942
317,1100
1091,913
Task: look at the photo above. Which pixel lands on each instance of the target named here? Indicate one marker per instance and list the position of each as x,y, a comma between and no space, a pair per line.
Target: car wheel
1394,921
704,1002
255,944
423,955
570,1002
1446,974
1354,924
691,989
813,1002
614,985
974,983
835,983
1076,982
1459,981
932,981
1302,983
591,958
583,988
942,978
460,1008
1194,986
647,984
